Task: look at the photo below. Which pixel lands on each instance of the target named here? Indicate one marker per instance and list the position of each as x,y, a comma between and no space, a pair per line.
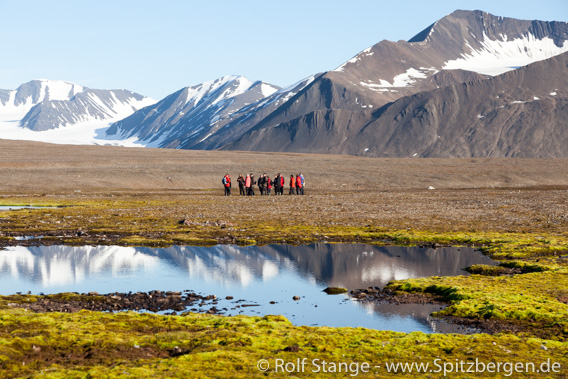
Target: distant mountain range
66,112
459,88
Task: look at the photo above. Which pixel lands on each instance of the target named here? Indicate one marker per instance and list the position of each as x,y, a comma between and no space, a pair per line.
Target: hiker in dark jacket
261,184
241,181
277,185
252,184
265,183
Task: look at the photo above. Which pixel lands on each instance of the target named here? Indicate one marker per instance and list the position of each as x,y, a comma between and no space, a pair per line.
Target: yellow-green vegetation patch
193,345
488,270
535,299
335,290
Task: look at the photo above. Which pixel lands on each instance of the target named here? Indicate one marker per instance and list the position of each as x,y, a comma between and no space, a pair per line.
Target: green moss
335,290
486,270
524,267
533,298
147,345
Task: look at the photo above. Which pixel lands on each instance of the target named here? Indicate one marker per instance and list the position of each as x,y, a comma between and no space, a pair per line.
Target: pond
258,274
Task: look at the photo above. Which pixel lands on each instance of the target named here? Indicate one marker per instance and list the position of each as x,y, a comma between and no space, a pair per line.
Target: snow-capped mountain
15,104
243,119
62,112
192,114
330,114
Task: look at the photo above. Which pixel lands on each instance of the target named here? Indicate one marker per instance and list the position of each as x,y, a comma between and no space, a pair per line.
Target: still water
257,274
17,207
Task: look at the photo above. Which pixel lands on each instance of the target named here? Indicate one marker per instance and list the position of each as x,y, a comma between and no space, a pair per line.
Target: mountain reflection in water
256,273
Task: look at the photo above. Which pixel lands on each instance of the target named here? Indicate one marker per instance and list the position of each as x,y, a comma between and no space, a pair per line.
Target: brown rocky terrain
151,190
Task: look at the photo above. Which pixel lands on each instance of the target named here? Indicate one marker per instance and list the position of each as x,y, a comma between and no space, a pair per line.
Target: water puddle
257,274
18,207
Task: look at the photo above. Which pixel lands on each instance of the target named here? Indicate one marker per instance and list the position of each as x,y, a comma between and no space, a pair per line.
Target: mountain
58,109
521,113
330,114
243,119
17,103
191,115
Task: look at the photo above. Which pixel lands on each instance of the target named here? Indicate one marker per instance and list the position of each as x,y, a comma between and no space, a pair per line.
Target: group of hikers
265,184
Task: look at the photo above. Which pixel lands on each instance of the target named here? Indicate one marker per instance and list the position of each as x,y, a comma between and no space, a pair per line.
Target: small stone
335,290
293,348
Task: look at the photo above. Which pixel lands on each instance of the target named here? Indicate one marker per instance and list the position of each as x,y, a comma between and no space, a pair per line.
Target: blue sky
156,48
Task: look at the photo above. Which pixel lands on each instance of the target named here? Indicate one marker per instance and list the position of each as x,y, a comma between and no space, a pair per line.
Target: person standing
292,185
265,183
268,185
298,185
282,185
261,184
227,184
241,181
247,184
277,185
252,184
303,182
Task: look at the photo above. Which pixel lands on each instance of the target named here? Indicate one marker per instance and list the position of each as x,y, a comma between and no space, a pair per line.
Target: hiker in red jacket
292,185
268,185
281,185
227,184
299,188
248,182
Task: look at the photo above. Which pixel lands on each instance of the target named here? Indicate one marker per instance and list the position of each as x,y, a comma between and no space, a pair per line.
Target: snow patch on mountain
365,53
285,94
405,79
58,90
499,56
267,89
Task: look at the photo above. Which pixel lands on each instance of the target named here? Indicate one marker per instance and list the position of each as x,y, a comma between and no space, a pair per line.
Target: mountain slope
191,114
464,46
15,104
87,106
520,113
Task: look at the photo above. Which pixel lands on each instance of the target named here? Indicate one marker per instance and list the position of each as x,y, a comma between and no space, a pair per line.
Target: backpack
224,181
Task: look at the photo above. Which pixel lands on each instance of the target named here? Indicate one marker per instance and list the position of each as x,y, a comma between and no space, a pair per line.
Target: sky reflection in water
257,274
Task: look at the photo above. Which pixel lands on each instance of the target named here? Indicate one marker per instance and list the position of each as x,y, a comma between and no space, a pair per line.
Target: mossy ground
525,230
144,345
